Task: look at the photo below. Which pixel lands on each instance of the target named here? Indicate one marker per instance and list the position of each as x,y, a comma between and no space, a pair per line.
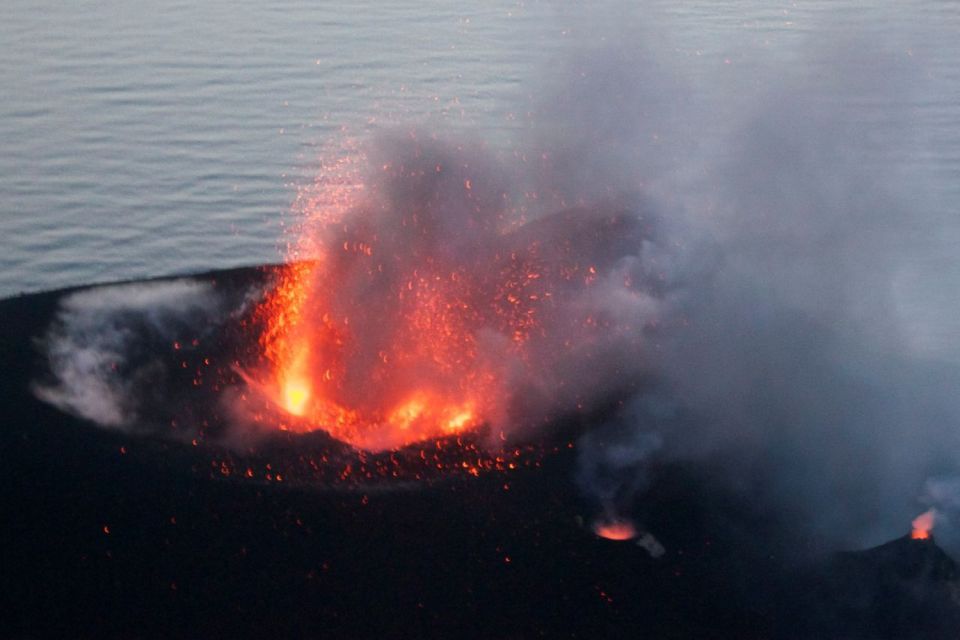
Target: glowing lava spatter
423,308
423,381
923,524
397,368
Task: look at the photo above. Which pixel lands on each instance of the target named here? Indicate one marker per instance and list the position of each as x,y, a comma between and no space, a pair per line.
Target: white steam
95,347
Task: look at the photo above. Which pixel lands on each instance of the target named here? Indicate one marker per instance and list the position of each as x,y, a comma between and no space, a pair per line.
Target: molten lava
619,530
296,393
922,525
376,387
424,312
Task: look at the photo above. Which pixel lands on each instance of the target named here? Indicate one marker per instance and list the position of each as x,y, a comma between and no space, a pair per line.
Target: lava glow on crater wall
618,530
923,524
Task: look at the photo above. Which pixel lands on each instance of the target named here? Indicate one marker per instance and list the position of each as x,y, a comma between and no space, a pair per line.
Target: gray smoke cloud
782,354
747,241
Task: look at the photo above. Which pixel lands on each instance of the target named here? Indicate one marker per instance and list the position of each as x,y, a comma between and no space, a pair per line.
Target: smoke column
782,357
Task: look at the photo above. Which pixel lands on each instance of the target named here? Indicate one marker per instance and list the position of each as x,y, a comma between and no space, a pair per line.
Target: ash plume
751,289
781,348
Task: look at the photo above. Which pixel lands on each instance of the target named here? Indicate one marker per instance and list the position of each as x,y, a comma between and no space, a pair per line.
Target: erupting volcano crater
394,337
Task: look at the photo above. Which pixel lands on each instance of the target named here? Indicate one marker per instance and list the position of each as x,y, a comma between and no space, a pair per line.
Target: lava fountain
427,308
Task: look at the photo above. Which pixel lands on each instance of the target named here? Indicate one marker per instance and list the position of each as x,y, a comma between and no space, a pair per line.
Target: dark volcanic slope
111,535
905,588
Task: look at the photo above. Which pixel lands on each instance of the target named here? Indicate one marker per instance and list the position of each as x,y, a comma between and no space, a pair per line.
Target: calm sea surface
149,138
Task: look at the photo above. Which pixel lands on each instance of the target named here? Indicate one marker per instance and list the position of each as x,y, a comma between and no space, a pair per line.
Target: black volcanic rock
114,534
900,561
905,588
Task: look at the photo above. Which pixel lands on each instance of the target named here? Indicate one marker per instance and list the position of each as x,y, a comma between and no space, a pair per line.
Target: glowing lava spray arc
429,307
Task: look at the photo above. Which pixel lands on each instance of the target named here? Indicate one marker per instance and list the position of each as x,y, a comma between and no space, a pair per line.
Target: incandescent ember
399,330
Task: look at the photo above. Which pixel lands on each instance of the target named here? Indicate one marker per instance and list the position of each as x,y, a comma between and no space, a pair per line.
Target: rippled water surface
148,138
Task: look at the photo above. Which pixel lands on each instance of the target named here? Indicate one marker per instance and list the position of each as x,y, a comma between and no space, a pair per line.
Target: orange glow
922,525
385,330
460,420
424,382
619,530
407,413
401,370
296,393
